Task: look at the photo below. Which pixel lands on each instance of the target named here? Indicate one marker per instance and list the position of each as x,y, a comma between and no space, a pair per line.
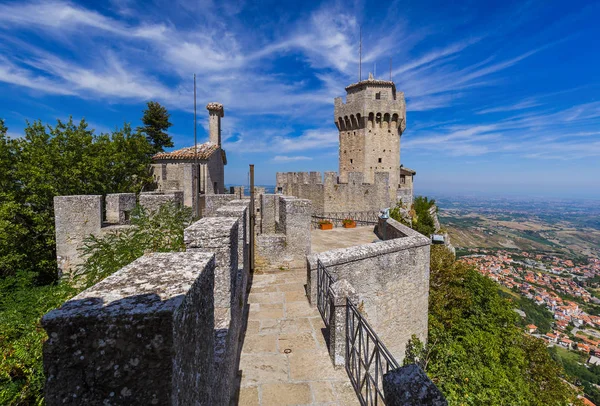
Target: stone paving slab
284,358
339,237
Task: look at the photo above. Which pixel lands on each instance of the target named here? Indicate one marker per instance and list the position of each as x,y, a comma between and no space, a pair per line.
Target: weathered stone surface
218,235
213,202
152,201
119,207
391,279
410,386
141,336
75,218
339,292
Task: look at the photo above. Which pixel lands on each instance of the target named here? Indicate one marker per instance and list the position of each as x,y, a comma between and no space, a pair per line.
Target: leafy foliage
476,353
156,122
50,161
576,371
21,306
22,303
153,232
418,217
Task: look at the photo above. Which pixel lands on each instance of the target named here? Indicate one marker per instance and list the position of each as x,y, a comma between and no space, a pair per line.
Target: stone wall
144,335
391,279
287,236
75,218
111,343
119,207
78,217
330,197
151,201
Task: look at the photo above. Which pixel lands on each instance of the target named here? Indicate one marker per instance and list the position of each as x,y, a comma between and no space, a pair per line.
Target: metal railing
367,359
324,281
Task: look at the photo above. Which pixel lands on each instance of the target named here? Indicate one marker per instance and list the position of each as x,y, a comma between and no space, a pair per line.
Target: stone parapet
218,235
391,279
75,218
144,335
119,207
339,292
213,202
410,386
151,201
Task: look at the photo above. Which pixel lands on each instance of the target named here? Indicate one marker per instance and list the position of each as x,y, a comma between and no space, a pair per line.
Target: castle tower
370,125
215,113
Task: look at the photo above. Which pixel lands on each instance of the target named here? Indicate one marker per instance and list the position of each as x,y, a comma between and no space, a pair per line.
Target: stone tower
370,125
215,113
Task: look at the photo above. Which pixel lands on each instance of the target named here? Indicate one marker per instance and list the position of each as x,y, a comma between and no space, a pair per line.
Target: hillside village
554,283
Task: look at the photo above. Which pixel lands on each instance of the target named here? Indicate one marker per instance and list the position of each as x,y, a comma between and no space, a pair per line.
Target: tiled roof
204,152
407,171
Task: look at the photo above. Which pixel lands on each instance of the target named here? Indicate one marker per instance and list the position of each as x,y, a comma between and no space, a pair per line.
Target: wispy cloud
285,158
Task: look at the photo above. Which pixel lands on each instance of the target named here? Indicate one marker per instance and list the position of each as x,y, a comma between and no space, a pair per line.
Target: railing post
338,292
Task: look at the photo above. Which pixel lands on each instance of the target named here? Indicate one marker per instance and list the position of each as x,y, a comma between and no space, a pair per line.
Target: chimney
215,112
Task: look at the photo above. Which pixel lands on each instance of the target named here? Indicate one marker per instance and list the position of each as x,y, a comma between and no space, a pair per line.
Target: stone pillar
410,386
143,335
75,218
119,207
338,292
190,185
268,204
241,213
311,279
218,235
294,220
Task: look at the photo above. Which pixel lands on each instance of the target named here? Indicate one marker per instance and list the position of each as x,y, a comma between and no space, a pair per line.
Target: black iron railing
324,281
367,359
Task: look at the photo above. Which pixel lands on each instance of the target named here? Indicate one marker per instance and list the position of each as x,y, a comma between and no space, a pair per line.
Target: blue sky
503,97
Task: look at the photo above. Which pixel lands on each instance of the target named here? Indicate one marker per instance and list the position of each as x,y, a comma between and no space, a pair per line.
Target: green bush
475,353
152,232
23,303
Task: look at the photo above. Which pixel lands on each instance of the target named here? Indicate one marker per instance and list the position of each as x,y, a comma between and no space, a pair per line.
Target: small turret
215,113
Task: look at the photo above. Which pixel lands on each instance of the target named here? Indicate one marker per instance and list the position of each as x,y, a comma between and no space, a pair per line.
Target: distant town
566,289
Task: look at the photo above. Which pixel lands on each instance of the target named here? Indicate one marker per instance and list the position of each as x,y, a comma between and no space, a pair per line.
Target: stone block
151,202
339,292
144,335
410,386
218,235
119,207
76,218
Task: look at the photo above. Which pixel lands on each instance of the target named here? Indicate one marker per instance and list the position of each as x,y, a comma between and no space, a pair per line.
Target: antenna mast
360,56
390,69
196,169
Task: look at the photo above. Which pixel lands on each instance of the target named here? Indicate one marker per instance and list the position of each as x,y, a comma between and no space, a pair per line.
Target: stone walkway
339,237
284,358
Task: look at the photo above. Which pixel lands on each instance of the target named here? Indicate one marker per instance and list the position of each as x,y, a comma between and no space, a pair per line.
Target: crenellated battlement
330,195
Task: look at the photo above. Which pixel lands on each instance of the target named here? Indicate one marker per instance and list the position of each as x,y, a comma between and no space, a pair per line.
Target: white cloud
285,158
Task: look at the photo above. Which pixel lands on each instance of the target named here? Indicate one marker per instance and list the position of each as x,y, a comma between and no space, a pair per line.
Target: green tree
156,122
419,217
476,353
49,161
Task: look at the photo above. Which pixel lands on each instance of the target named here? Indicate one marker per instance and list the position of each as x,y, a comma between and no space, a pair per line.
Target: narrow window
378,96
379,160
351,161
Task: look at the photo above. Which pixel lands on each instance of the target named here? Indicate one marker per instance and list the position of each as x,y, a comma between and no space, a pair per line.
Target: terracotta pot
326,226
350,225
